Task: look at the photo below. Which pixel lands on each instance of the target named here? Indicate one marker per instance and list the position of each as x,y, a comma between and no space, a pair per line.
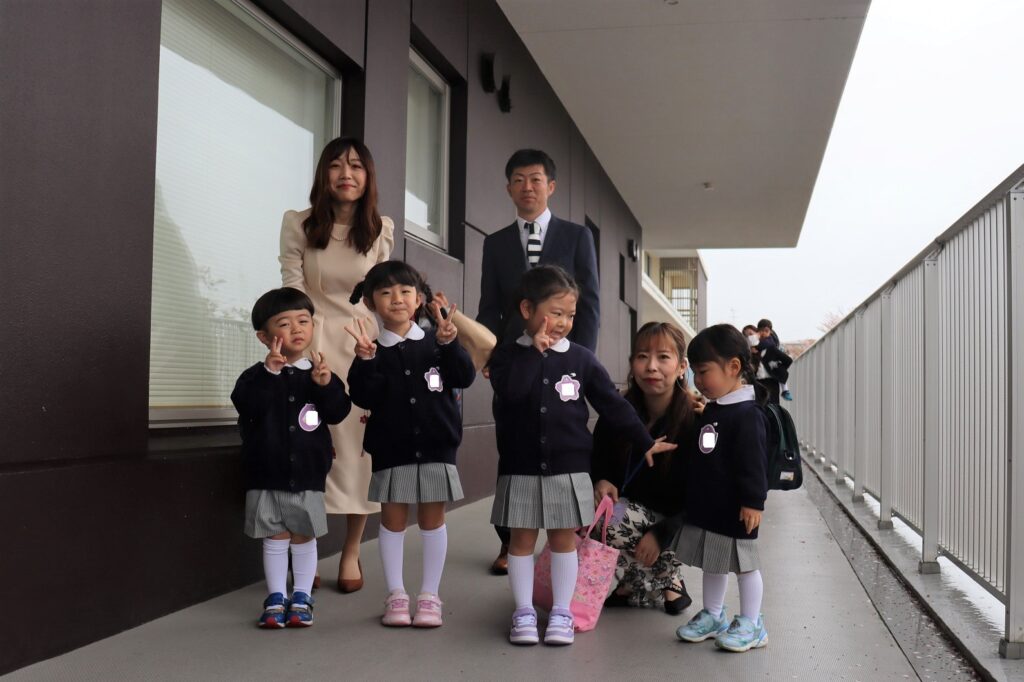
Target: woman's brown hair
366,222
680,415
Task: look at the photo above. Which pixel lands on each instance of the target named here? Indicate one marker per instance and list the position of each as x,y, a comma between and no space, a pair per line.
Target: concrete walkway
822,626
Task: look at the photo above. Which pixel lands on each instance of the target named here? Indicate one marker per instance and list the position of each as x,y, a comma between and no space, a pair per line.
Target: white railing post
860,409
1012,644
887,454
930,516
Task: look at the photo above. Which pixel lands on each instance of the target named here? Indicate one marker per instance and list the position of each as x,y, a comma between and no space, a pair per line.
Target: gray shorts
270,512
414,483
714,553
559,501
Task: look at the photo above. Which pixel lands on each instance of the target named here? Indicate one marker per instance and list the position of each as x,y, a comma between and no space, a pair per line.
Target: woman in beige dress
325,251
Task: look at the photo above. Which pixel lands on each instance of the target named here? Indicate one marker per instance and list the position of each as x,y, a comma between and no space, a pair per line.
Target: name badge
708,439
309,418
434,382
568,388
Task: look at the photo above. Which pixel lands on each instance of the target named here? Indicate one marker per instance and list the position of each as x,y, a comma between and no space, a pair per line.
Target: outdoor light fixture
489,71
504,95
633,250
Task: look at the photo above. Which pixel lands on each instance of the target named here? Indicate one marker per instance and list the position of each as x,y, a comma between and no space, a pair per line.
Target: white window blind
426,155
243,116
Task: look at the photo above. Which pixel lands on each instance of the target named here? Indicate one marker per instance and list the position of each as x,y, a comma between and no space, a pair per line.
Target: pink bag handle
604,510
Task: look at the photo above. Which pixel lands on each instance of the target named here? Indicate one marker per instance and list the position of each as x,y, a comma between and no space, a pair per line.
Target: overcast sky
930,122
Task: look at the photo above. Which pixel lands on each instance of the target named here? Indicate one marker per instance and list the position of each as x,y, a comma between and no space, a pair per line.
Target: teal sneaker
703,626
743,634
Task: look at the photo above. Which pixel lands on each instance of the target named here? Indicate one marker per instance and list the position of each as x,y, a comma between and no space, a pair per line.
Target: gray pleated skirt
414,483
560,501
269,512
714,553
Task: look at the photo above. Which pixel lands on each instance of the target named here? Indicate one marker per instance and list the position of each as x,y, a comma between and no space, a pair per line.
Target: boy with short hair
284,406
774,359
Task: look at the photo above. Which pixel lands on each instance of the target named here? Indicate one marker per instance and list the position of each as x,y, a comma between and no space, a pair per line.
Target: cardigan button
546,382
544,354
407,372
543,466
291,399
291,371
543,439
412,401
291,484
415,430
543,410
419,454
292,427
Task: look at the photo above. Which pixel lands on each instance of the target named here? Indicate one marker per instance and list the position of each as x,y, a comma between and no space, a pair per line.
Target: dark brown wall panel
334,28
79,93
443,26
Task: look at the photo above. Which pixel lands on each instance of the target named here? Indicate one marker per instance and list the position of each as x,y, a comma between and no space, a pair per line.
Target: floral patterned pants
646,583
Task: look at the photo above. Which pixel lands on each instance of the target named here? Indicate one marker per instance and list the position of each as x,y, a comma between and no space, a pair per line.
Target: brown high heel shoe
346,586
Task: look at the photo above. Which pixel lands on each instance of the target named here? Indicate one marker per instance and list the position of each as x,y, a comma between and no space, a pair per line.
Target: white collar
742,394
542,221
560,347
301,363
388,338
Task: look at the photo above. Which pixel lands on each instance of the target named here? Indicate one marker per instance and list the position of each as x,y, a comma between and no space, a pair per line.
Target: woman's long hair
366,222
679,417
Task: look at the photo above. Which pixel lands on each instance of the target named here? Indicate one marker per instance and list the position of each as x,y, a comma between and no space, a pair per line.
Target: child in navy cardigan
725,490
408,380
544,446
284,406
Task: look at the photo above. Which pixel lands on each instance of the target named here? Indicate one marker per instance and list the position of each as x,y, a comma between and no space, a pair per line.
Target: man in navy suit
531,181
535,237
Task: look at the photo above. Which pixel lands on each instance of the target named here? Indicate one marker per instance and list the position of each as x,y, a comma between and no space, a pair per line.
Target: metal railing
918,398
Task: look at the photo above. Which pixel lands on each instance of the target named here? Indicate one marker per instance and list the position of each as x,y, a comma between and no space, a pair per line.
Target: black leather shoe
677,606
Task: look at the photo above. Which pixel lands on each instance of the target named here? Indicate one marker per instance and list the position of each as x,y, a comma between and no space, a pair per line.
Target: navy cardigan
539,432
409,423
278,453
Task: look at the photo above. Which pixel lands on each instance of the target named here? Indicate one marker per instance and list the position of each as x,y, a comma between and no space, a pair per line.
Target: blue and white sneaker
743,634
703,626
300,611
273,612
786,395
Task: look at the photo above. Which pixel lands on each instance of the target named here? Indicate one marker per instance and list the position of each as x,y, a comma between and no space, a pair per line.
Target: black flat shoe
615,600
677,606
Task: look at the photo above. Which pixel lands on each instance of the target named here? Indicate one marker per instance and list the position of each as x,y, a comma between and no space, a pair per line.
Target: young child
408,380
284,406
540,382
725,490
773,358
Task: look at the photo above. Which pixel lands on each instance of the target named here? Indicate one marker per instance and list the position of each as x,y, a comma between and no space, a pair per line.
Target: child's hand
659,446
541,340
647,550
751,518
602,488
275,360
446,330
365,348
321,372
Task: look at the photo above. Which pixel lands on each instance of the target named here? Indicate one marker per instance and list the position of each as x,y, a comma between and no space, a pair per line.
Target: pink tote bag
597,568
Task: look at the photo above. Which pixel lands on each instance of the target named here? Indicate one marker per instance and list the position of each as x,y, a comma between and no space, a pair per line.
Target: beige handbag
475,338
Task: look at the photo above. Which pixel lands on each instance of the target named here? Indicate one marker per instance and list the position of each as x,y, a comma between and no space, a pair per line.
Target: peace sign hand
659,446
275,359
321,371
541,340
446,330
365,348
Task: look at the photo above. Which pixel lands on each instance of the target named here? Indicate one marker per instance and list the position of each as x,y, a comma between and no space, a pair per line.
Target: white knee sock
714,585
520,576
275,564
564,568
751,592
392,555
435,548
303,566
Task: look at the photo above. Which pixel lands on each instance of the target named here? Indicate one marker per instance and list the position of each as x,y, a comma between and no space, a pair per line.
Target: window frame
257,20
425,69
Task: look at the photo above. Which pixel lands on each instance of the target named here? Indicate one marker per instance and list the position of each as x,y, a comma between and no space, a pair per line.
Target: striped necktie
533,245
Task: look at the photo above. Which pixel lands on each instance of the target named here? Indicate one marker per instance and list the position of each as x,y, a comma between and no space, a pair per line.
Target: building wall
83,480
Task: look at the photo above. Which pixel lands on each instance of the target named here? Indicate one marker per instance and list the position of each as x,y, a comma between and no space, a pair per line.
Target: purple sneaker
560,629
524,626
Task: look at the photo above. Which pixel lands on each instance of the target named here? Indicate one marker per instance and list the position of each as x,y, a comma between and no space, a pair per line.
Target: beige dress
328,277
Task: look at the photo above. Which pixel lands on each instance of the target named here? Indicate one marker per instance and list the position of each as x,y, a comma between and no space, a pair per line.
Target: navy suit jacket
566,244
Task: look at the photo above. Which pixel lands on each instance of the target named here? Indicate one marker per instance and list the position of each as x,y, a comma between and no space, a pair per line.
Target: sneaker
743,634
786,395
273,611
702,626
300,611
428,611
524,626
560,628
396,610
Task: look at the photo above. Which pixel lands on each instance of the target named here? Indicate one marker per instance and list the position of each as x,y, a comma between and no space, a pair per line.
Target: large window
426,156
243,115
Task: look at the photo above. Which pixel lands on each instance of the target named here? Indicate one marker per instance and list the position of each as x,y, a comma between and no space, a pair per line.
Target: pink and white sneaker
428,611
396,610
